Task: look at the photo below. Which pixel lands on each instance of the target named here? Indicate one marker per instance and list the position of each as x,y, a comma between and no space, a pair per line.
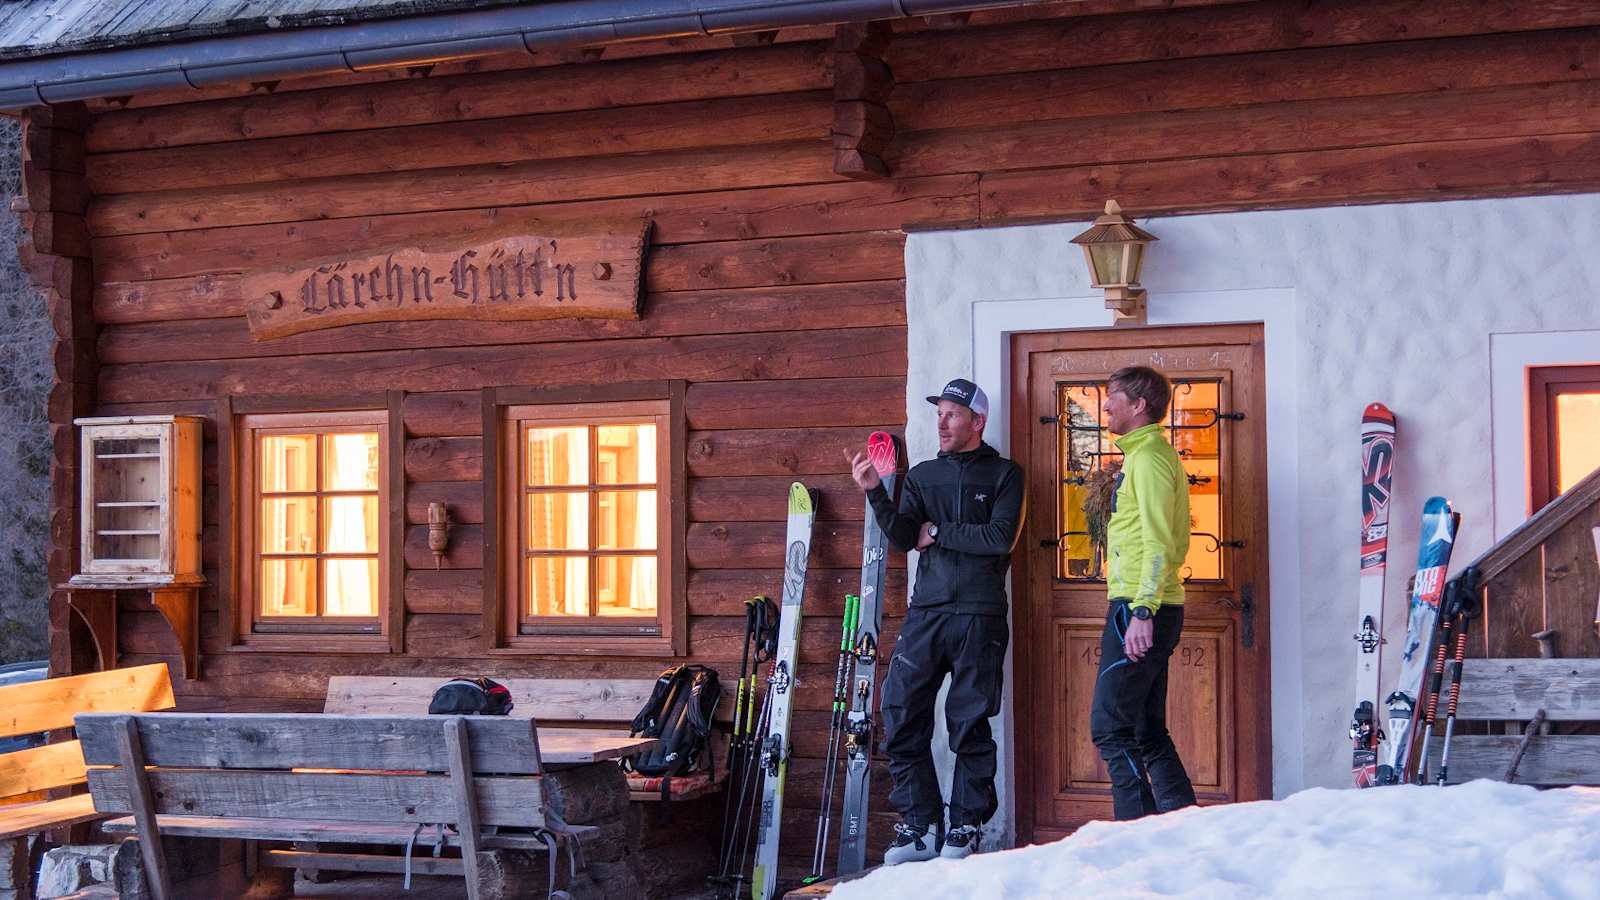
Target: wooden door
1219,700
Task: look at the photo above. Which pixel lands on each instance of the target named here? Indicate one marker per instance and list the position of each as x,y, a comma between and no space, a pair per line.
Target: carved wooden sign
595,272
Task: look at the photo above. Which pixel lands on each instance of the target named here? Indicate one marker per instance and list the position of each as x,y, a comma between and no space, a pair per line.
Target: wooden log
1217,31
632,129
851,304
722,592
1371,70
859,164
811,402
777,451
862,125
1435,171
796,162
587,795
802,260
1261,129
763,212
810,354
450,591
746,545
497,95
206,296
763,498
444,459
443,413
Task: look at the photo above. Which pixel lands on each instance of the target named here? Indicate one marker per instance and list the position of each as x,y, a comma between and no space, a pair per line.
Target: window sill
312,643
583,645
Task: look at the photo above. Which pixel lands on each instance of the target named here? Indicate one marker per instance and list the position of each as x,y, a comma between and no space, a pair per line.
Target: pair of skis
1439,526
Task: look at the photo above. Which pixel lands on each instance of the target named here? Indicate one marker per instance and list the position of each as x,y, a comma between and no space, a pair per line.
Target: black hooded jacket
976,500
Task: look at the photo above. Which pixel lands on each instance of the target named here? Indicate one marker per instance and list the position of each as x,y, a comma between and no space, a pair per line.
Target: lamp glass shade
1106,263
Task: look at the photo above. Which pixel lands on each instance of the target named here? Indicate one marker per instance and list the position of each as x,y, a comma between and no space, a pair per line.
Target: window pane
626,520
350,462
557,456
288,463
289,525
557,586
625,585
557,521
352,525
288,587
625,454
350,587
1577,437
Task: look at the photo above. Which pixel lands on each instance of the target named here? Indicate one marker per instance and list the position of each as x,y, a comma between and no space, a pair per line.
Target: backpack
679,713
470,697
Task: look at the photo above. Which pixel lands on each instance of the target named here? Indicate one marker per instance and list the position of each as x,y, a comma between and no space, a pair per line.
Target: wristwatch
933,531
1141,612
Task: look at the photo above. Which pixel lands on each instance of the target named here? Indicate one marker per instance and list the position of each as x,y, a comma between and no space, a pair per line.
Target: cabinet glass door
128,496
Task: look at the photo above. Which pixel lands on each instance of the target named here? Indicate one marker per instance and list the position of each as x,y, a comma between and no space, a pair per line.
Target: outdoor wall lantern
1114,248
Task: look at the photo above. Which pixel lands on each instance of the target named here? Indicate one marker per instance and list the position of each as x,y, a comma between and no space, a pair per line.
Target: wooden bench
28,776
599,703
1512,691
242,776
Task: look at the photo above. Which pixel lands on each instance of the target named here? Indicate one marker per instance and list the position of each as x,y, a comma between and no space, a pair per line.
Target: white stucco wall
1397,303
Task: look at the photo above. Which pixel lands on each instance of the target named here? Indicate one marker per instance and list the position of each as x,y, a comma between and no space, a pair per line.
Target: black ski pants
1129,719
971,649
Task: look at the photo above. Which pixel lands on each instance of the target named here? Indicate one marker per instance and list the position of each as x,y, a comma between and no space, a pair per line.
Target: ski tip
800,501
1376,416
1436,505
884,451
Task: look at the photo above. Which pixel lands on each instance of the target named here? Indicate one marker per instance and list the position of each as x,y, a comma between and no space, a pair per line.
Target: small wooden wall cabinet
140,515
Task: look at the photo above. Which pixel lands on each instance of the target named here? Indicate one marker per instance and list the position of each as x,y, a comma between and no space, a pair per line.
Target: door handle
1246,607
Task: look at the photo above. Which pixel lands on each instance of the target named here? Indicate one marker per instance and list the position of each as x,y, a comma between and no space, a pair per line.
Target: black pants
971,650
1129,720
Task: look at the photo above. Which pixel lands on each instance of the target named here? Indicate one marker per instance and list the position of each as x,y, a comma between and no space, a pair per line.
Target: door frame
1028,730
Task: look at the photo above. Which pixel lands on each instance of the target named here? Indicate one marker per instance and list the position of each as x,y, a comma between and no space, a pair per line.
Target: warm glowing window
315,530
592,525
1564,423
1090,461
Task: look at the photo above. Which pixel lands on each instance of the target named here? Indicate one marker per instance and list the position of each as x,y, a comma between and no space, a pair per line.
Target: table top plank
581,746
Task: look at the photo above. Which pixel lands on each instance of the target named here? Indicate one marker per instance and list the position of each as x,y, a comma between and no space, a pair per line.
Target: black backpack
470,697
679,713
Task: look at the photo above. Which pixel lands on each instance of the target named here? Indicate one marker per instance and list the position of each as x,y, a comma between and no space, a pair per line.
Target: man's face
1123,413
959,428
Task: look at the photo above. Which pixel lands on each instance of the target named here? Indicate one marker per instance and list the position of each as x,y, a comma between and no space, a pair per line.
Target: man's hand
924,539
862,471
1141,634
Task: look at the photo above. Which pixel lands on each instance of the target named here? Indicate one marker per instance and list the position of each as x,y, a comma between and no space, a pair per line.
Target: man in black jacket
962,512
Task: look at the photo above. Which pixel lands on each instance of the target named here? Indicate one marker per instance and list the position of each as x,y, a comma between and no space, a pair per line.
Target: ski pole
750,789
1455,697
750,638
840,687
841,708
1432,695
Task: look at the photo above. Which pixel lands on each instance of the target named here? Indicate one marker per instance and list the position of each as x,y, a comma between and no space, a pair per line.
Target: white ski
1377,472
774,757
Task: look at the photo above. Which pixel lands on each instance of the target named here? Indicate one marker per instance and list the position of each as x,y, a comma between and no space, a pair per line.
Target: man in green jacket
1147,540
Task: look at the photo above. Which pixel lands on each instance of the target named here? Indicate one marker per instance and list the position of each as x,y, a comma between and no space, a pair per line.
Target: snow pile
1483,839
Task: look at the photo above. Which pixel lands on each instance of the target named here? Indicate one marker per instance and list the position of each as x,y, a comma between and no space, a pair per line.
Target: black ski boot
961,842
912,843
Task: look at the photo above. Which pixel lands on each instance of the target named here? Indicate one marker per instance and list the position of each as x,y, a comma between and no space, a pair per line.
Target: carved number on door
1091,655
1193,656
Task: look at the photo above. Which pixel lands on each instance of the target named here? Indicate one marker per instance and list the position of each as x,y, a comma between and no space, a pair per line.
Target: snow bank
1483,839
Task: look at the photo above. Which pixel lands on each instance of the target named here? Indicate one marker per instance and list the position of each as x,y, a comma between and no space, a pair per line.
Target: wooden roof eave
1540,527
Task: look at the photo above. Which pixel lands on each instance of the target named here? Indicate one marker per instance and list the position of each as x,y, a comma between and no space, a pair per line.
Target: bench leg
16,869
266,882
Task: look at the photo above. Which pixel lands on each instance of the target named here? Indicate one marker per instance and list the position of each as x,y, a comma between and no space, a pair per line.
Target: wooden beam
862,83
1568,690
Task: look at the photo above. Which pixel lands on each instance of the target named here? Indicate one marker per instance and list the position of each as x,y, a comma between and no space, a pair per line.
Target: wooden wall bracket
862,83
178,603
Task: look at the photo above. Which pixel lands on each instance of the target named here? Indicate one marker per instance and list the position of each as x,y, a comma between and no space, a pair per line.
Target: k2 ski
1377,473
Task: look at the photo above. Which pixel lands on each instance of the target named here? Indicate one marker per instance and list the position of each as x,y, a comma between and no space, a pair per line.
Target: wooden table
563,748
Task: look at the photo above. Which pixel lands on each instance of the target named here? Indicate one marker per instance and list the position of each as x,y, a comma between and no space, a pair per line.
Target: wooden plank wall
774,285
1555,585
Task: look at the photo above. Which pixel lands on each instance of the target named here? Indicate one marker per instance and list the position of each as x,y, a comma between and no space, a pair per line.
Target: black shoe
912,843
961,842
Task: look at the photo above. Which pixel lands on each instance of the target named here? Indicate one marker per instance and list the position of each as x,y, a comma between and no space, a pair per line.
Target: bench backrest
388,768
52,703
600,701
1514,690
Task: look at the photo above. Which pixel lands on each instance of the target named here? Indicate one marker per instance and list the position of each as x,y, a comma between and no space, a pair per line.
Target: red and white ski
1377,471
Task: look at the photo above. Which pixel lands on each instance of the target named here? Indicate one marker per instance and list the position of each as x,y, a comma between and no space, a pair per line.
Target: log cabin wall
774,285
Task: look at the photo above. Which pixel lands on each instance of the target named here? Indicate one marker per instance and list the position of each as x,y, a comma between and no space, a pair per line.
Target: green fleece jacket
1148,535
